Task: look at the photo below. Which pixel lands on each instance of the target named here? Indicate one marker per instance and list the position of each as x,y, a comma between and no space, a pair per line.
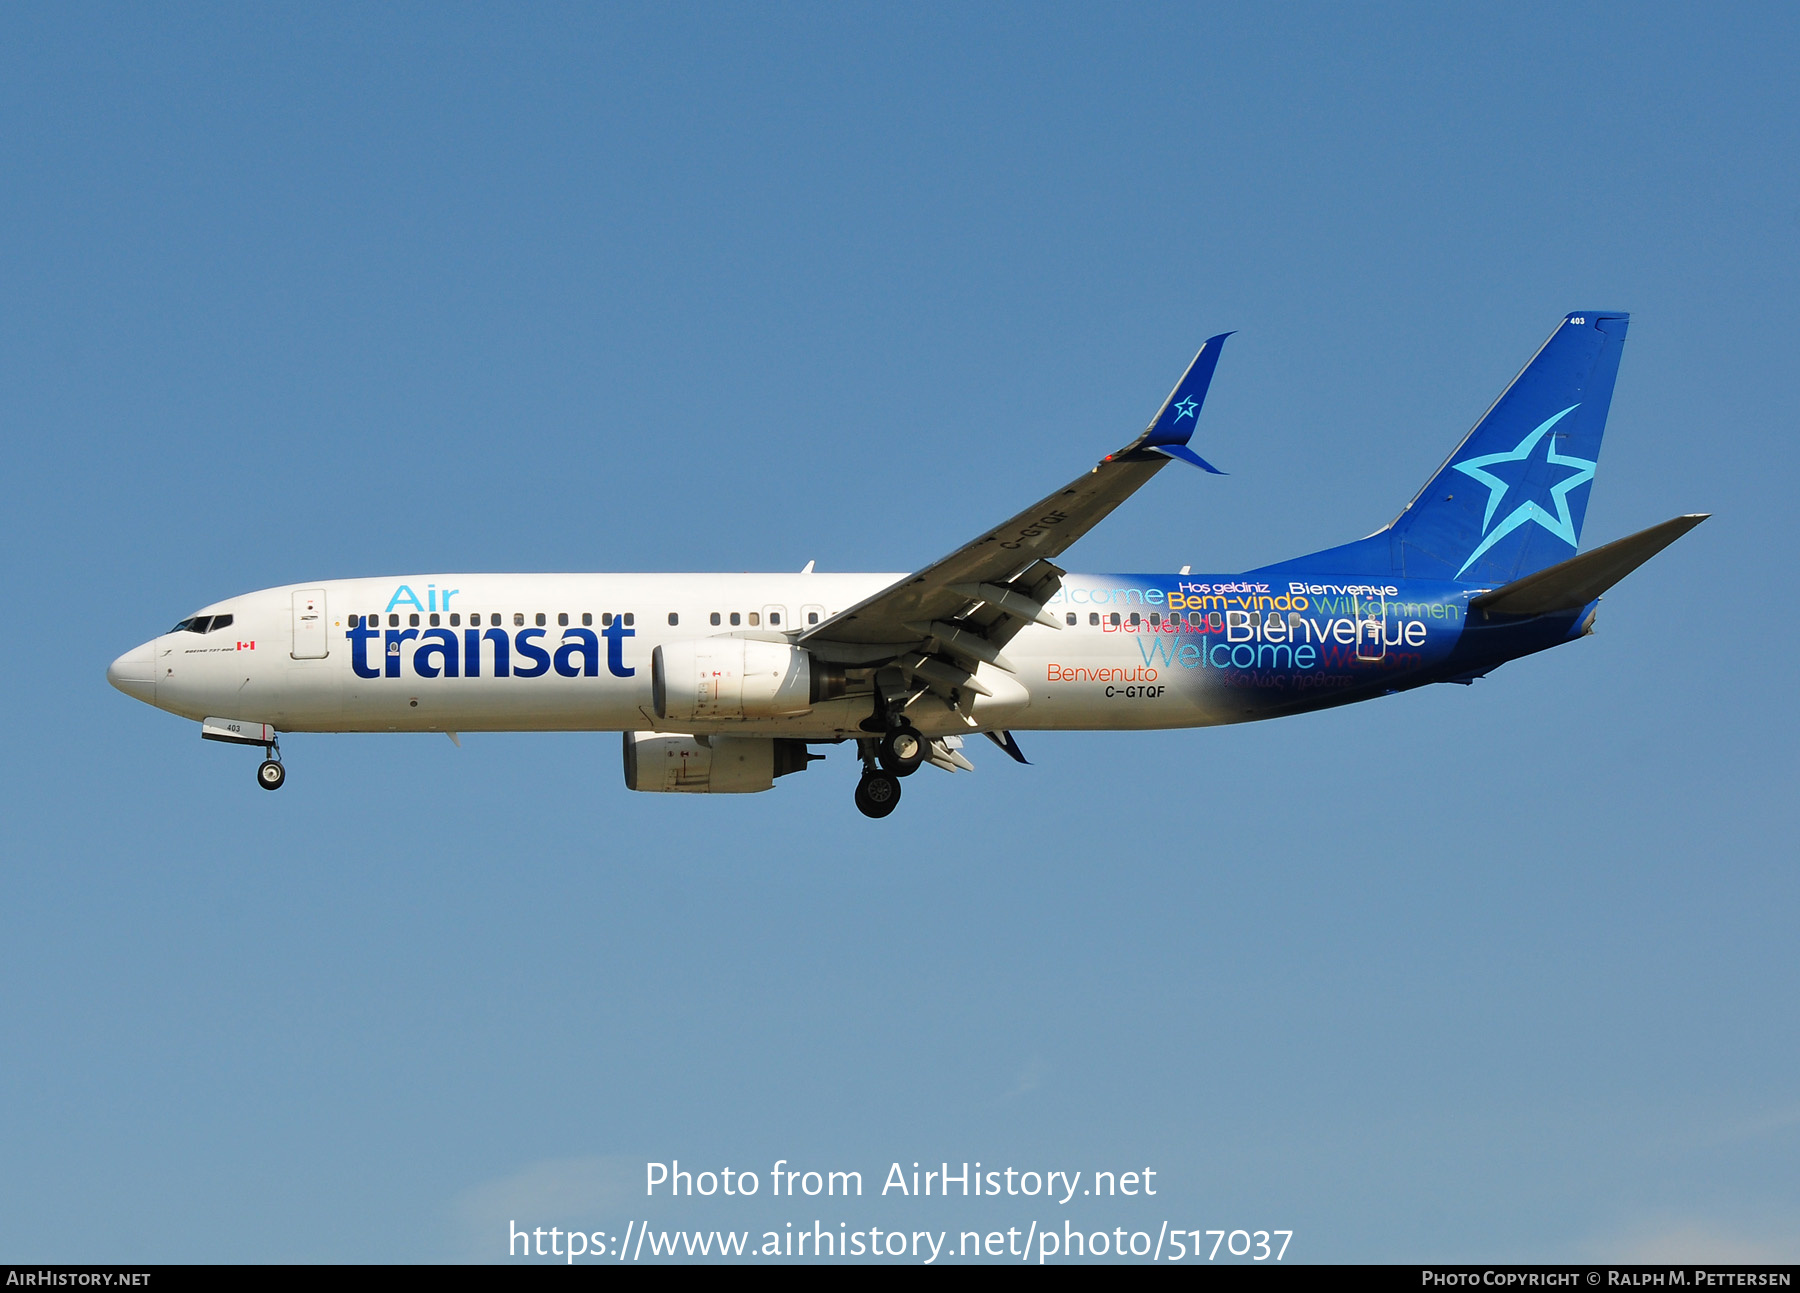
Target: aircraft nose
134,673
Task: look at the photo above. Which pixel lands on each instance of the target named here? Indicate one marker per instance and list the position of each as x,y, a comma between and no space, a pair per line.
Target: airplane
724,683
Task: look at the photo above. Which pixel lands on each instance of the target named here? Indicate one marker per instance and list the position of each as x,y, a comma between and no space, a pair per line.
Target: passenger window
630,619
475,619
715,618
540,619
413,620
1155,618
1215,621
1070,617
674,619
1093,617
1134,621
755,619
455,619
518,619
812,617
587,618
774,619
1115,619
393,620
434,619
734,619
562,619
1194,618
605,619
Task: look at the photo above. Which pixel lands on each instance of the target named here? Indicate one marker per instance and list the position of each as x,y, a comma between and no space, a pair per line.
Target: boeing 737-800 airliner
723,683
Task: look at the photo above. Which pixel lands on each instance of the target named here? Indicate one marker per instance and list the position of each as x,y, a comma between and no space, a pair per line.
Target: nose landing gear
270,775
240,731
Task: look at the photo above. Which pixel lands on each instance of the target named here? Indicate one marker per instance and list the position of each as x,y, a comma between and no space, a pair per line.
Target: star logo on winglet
1508,473
1185,409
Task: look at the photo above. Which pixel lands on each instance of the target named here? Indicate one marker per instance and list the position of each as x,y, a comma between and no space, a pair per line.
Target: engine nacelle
708,679
725,765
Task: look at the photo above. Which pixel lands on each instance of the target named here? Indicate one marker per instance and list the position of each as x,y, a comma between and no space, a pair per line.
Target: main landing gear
893,749
878,793
896,754
901,751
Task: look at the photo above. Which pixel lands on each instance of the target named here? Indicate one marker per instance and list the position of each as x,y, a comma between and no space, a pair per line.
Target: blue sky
1503,972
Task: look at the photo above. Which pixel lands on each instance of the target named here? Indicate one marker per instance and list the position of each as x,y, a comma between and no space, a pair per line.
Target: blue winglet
1186,454
1174,423
1006,742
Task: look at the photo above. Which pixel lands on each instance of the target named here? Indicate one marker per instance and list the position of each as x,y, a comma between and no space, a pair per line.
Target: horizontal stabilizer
1579,580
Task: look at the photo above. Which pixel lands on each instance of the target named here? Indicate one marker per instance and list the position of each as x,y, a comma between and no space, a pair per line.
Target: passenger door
310,640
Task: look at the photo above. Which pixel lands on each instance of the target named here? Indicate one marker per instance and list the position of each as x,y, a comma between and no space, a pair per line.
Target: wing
944,621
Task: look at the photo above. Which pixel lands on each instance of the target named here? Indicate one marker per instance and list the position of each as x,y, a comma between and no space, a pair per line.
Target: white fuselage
550,652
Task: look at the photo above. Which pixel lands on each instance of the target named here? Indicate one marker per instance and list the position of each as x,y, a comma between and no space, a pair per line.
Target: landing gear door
310,641
1371,626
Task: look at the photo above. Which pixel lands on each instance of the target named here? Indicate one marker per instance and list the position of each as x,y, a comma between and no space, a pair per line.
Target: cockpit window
202,624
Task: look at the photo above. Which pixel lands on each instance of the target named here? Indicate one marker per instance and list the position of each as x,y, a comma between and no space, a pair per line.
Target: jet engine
725,677
723,765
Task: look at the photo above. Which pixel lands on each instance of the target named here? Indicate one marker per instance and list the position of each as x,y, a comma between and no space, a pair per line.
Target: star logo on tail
1185,409
1509,472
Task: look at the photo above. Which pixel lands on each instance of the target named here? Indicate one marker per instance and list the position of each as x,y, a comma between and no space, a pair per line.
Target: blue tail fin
1511,498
